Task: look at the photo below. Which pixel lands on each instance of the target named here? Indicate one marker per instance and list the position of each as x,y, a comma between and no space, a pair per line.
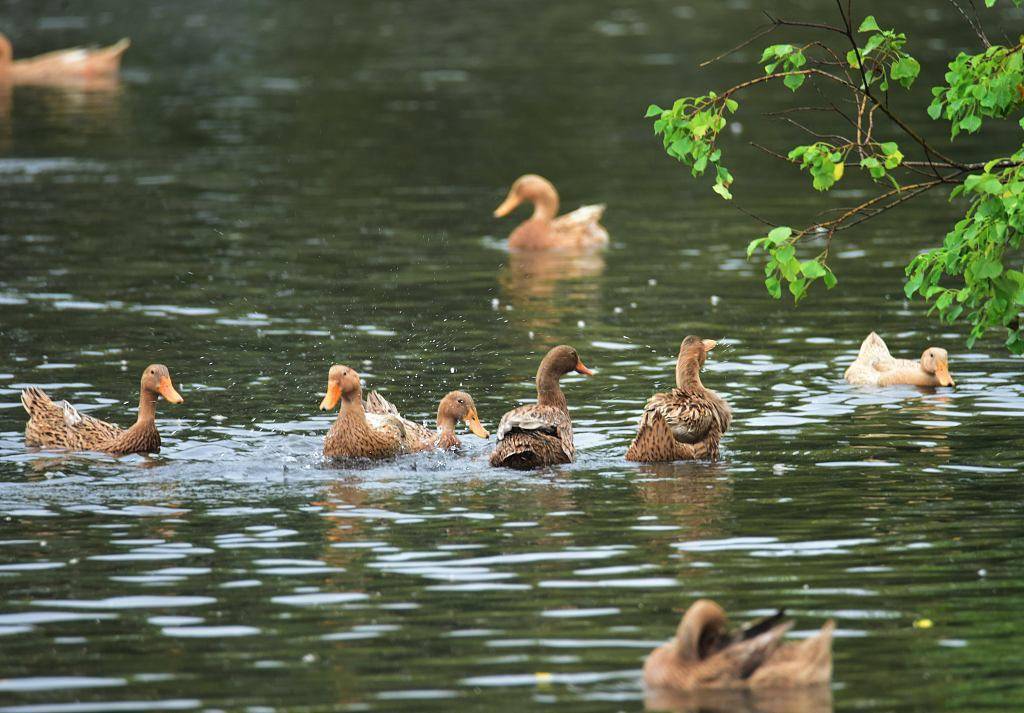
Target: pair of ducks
685,423
77,64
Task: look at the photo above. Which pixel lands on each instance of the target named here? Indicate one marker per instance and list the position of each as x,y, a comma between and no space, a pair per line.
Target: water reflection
816,699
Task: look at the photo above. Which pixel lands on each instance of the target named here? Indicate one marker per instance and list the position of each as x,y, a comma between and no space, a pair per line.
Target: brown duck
686,423
705,655
355,433
454,407
540,434
61,425
62,66
580,229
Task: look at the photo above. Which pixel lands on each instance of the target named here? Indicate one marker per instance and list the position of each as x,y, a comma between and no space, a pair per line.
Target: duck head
156,381
563,360
696,348
458,406
935,361
342,382
535,189
700,630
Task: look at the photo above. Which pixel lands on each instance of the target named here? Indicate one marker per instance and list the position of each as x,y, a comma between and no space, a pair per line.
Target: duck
61,66
540,434
356,433
454,407
580,229
686,423
705,655
875,366
61,425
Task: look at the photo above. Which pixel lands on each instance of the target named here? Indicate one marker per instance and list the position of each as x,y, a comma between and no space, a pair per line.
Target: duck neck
545,205
352,412
147,408
549,392
6,53
688,374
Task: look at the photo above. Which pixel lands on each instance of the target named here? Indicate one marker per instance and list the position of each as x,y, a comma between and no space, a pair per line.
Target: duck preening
687,422
62,66
545,229
355,433
540,434
705,655
875,366
61,425
456,406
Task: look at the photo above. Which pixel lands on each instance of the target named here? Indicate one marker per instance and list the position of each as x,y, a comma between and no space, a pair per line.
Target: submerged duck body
579,230
61,425
60,66
454,407
704,655
686,423
539,434
875,366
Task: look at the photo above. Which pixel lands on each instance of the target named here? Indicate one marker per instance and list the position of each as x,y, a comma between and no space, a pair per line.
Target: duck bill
166,390
331,399
473,421
581,368
709,344
943,375
507,206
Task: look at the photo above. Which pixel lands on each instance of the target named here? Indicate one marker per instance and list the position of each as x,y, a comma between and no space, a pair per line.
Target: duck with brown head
540,434
705,655
455,407
545,230
686,423
61,425
354,433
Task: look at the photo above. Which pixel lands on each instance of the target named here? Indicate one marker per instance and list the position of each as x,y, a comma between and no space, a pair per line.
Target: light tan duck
686,423
705,655
540,434
356,433
875,366
454,407
77,64
580,229
61,425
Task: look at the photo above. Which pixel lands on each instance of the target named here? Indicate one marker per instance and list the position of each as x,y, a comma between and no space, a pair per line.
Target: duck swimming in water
875,366
580,229
454,407
77,64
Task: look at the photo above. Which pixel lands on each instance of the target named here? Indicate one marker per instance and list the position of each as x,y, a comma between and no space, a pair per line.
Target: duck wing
61,424
415,436
533,435
800,663
583,225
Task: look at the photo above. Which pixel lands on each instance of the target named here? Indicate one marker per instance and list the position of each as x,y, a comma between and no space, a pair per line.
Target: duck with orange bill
540,434
356,433
74,65
875,366
455,407
61,425
545,229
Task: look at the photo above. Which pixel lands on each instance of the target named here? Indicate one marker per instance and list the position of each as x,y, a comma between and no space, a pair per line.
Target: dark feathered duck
540,434
456,406
687,422
61,425
705,655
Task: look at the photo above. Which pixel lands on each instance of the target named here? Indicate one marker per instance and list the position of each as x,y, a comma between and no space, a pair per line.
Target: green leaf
830,279
812,269
732,105
777,235
721,190
986,268
653,110
868,25
905,70
773,286
970,123
794,81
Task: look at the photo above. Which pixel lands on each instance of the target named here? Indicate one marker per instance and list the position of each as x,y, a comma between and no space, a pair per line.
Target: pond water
282,186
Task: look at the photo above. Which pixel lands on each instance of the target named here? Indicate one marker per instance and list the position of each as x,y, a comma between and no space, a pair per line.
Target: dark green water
281,186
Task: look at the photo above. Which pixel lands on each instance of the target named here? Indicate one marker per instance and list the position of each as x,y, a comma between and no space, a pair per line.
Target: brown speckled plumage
61,425
454,407
540,434
705,655
687,422
355,433
580,229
